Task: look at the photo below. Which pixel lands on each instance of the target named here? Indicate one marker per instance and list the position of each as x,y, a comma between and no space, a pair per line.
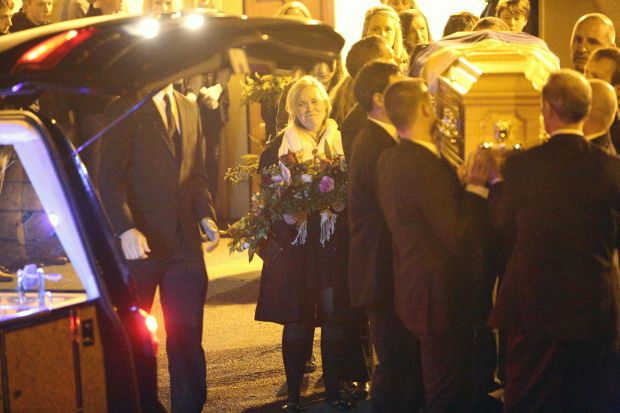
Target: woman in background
400,5
294,9
384,21
514,13
380,21
415,29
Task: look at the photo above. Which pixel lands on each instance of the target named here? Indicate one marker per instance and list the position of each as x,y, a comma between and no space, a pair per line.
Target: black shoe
340,405
359,392
310,367
292,408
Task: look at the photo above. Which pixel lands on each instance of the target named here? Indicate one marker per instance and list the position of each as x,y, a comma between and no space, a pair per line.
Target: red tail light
151,325
50,52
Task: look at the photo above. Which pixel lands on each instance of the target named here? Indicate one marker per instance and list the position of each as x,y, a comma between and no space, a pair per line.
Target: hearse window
28,234
38,236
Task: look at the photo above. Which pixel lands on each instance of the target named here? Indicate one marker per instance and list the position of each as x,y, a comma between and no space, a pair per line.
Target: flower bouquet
264,89
291,191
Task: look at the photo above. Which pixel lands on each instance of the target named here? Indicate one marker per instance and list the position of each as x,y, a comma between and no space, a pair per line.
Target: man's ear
377,99
547,109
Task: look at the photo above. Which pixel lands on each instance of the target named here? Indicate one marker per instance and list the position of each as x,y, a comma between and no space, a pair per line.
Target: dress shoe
310,366
340,405
358,392
292,408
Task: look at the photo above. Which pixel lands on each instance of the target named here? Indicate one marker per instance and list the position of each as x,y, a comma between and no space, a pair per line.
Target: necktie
173,133
169,118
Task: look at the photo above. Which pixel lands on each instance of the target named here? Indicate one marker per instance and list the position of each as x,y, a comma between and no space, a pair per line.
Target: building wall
557,18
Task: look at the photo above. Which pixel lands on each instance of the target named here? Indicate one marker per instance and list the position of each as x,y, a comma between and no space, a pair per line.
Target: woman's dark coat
293,275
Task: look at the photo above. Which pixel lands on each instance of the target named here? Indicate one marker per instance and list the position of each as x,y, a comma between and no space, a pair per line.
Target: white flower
244,246
286,173
306,178
289,219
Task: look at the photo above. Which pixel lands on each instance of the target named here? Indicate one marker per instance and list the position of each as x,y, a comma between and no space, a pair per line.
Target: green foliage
294,188
264,89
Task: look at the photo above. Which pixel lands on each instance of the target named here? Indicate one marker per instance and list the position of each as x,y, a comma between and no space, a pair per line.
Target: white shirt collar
388,127
158,99
566,132
430,146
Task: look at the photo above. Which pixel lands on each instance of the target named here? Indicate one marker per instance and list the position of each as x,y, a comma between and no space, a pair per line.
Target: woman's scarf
297,139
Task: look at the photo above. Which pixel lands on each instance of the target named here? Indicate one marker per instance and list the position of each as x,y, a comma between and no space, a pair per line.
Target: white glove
212,233
134,245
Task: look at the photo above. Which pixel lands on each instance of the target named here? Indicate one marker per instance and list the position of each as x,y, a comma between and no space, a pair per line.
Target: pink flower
327,184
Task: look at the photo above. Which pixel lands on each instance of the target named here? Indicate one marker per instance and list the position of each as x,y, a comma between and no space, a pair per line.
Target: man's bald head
592,31
603,108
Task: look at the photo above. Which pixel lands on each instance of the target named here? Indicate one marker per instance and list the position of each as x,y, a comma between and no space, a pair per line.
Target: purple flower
327,184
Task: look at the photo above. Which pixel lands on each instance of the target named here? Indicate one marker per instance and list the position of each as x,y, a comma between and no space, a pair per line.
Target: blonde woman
384,21
400,5
303,286
294,9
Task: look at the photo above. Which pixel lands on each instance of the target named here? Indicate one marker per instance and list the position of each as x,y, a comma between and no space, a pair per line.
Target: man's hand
134,245
212,233
479,167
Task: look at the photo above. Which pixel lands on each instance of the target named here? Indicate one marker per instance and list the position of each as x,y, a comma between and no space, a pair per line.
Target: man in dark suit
153,186
603,111
604,64
435,225
395,386
558,299
363,51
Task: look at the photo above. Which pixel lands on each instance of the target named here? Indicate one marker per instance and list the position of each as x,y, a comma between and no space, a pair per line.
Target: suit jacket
560,201
614,132
604,141
371,277
144,184
350,127
435,228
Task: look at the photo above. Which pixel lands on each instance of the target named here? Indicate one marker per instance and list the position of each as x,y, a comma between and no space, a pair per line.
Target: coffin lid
463,62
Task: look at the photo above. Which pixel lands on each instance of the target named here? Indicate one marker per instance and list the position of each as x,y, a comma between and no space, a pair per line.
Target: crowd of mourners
489,288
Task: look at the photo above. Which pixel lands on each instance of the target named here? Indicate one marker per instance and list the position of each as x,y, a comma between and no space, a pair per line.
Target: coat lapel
152,114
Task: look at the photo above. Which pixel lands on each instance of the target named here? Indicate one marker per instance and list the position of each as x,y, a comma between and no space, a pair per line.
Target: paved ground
244,362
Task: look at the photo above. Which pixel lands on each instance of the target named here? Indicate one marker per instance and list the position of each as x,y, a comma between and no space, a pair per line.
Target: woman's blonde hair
294,92
283,10
398,47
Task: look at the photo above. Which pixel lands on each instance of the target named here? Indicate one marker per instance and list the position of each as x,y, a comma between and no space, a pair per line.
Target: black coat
560,200
436,231
293,275
350,127
143,184
371,274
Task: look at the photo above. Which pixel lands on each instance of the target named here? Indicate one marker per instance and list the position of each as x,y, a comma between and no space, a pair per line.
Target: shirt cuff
479,190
